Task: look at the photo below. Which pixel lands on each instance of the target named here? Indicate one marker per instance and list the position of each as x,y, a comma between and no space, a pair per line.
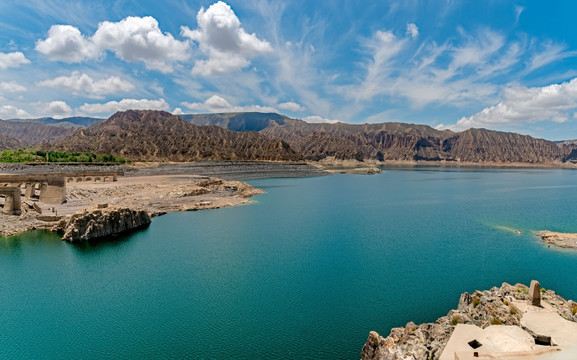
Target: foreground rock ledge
98,223
497,323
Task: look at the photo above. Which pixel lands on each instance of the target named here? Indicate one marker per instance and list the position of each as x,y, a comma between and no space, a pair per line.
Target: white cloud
123,105
549,53
83,84
217,104
140,39
66,43
412,30
518,11
12,112
132,39
13,59
319,119
177,111
522,105
57,108
291,106
11,87
221,36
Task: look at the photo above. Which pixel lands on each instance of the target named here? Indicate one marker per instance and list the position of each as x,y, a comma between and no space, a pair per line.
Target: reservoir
303,273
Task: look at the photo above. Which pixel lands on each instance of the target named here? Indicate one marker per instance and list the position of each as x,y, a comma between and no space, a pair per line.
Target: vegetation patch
41,156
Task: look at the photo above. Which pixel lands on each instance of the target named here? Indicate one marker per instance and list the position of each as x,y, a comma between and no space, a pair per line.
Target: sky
451,64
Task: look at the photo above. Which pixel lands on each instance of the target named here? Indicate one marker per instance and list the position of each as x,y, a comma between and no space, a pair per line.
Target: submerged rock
88,225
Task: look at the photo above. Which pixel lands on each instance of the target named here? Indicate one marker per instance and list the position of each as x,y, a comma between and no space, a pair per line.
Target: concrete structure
52,187
535,293
542,334
13,202
493,342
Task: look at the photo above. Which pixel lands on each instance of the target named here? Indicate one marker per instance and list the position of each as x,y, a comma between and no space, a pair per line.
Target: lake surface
304,273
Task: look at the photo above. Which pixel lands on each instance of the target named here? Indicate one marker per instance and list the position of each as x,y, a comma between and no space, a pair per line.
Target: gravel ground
227,170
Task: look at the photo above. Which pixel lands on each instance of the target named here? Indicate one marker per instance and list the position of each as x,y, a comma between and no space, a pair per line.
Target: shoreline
155,194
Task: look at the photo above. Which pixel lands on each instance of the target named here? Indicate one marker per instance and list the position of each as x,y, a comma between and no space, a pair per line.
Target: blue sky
450,64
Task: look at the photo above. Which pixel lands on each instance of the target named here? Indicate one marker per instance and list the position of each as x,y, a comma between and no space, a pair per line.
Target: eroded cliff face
98,223
392,141
481,308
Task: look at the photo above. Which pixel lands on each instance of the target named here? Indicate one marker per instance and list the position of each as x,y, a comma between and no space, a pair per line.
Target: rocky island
507,322
562,240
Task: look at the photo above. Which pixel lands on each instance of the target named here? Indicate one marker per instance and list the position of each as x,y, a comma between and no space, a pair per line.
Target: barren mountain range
160,136
395,141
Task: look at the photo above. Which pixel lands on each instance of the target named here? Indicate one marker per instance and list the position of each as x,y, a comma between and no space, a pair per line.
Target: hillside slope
160,136
395,141
32,133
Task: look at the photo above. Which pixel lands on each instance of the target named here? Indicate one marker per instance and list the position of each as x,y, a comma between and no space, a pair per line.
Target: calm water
305,273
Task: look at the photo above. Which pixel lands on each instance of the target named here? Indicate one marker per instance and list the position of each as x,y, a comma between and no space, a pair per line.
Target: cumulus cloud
319,119
291,106
523,105
217,104
11,87
140,39
57,108
79,84
177,111
13,59
12,112
220,36
66,43
412,30
132,39
123,105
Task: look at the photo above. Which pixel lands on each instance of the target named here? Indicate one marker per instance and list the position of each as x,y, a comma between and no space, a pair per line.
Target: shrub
496,321
574,308
456,319
476,301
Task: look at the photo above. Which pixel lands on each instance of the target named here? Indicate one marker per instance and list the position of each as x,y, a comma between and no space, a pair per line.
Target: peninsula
507,322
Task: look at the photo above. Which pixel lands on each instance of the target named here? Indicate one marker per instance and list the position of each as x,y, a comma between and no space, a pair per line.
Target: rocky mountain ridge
147,135
395,141
255,136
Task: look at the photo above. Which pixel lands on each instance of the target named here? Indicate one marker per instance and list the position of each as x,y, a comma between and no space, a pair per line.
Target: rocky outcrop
498,306
98,223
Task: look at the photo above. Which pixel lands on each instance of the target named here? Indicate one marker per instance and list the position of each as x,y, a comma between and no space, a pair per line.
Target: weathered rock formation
30,133
98,223
395,141
498,306
141,135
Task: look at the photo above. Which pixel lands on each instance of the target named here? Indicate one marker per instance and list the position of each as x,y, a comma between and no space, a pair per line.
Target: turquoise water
304,273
